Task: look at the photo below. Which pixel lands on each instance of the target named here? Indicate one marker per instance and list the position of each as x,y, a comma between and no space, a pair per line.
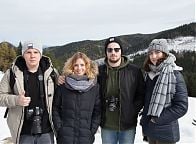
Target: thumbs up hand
22,100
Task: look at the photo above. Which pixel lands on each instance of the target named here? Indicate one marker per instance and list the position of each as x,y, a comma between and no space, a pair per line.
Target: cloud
66,21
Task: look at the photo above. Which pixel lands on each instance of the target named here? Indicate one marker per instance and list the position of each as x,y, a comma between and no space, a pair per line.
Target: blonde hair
91,67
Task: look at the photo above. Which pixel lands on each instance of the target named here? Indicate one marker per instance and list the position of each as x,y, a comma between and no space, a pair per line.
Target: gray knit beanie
160,45
32,44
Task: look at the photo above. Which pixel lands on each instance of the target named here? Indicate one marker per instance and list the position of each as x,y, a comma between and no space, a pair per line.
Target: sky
58,22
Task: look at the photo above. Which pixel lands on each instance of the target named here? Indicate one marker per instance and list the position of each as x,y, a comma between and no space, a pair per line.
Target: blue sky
57,22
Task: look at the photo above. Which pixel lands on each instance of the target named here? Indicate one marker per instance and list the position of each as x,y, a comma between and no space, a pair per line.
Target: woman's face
79,67
155,55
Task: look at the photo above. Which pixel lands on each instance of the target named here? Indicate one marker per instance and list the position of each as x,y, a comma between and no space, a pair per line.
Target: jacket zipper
119,101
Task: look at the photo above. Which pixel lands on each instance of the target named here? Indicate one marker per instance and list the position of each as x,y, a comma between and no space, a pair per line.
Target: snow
1,75
187,129
4,131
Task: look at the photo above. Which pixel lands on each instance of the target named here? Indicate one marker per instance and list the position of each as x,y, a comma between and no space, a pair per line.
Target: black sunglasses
109,50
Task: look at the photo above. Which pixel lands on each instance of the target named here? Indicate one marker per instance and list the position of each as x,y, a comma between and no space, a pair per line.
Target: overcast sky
57,22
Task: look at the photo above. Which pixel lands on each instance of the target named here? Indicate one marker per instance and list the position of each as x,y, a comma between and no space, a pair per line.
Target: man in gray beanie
122,92
32,44
27,89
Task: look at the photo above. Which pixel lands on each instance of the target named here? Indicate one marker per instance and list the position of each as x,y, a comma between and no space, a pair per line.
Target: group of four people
88,96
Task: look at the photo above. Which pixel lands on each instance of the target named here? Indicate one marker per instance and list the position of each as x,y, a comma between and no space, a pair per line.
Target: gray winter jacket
7,99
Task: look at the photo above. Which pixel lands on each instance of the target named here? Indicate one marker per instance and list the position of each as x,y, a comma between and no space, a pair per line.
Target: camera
35,115
112,103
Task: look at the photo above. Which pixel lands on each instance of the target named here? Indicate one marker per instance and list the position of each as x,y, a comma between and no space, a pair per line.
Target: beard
114,61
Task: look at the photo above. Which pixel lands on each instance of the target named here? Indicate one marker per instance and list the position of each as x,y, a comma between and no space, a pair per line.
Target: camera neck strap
40,79
41,82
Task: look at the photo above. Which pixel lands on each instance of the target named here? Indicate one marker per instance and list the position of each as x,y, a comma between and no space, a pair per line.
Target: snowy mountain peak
182,44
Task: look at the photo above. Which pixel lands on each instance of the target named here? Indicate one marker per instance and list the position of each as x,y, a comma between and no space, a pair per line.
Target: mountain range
181,42
131,43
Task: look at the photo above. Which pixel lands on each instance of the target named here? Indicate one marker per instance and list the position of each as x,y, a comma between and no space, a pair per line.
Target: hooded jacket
15,117
131,94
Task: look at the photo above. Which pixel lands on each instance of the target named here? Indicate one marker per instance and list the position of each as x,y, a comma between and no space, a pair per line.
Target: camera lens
112,107
112,103
36,126
35,115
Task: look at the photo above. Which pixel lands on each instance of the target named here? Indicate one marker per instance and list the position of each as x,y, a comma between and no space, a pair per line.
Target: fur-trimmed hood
45,63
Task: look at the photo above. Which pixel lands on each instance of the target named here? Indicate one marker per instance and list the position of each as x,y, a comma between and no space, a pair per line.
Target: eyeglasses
109,50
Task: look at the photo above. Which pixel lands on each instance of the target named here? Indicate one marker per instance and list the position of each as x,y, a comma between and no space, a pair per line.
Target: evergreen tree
19,50
7,55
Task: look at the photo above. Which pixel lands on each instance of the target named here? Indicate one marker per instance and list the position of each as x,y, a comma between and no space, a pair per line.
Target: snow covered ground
187,130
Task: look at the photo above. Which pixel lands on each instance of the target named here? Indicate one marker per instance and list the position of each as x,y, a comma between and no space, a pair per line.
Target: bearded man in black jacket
122,92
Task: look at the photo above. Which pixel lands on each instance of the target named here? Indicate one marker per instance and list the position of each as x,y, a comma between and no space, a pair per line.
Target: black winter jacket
166,127
131,86
76,115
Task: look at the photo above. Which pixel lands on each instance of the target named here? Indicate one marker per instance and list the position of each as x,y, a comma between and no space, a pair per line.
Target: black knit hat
113,39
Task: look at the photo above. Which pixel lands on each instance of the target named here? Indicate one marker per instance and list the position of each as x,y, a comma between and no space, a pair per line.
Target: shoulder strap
6,112
11,83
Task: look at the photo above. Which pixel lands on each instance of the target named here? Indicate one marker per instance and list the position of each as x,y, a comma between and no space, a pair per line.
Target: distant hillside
131,43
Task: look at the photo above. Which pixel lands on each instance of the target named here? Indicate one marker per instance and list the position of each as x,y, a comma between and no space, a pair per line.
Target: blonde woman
76,105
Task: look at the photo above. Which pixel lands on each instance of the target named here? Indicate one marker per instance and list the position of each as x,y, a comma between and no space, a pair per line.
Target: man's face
113,52
32,57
